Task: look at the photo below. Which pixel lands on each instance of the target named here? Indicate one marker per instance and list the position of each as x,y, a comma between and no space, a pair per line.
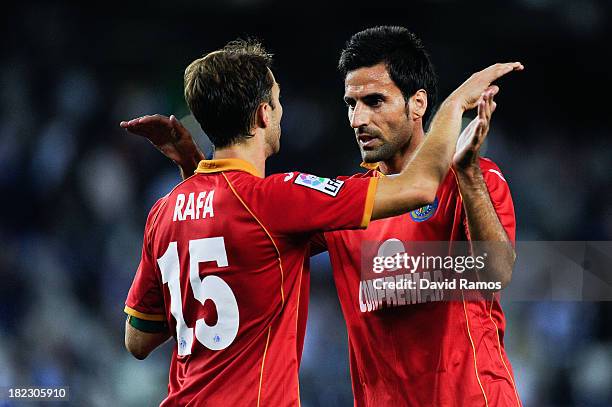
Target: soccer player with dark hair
224,267
421,353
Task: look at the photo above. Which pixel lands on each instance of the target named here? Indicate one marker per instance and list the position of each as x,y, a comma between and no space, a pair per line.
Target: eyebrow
374,95
367,96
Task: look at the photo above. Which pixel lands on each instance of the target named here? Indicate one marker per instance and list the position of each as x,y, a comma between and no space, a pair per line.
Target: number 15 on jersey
223,333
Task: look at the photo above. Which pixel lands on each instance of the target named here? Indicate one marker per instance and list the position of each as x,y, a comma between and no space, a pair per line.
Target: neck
396,164
249,151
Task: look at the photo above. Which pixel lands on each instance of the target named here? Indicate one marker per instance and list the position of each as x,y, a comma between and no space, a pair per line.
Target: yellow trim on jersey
263,361
369,166
146,317
297,314
280,263
369,202
226,164
467,323
518,400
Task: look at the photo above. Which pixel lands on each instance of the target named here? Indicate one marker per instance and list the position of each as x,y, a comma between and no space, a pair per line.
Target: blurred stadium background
76,189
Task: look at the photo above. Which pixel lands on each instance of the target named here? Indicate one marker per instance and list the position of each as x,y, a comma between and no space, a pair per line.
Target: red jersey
419,351
225,261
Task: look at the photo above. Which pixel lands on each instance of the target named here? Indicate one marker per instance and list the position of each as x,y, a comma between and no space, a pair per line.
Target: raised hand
472,137
170,137
468,94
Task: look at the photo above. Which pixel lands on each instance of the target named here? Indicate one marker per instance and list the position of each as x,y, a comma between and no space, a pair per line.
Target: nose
360,116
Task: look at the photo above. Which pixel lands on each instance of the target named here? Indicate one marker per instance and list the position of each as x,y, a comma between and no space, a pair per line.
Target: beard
273,141
389,146
381,153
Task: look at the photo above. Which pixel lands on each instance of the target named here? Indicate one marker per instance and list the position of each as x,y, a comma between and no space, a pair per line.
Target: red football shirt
446,353
225,260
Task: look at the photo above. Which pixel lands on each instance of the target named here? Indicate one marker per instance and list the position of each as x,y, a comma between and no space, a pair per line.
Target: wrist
188,168
454,103
191,160
469,173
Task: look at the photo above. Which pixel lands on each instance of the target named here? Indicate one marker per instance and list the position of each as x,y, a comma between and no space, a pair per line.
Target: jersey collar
372,167
226,164
369,166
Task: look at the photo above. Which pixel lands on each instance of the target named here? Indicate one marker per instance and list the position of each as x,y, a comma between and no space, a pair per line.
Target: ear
417,104
262,115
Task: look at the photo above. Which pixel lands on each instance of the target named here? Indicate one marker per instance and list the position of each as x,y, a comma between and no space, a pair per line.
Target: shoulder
157,207
490,169
153,217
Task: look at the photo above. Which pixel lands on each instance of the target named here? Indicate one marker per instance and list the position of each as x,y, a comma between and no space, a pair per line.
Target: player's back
225,262
223,277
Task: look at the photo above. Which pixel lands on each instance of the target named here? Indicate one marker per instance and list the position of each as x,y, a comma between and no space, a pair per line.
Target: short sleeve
499,192
300,203
145,299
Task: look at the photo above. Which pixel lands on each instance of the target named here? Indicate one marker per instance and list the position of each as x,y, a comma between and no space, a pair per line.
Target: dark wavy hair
402,52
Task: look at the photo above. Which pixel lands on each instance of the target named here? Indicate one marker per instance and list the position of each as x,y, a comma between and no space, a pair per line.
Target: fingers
492,90
471,90
182,132
482,113
498,70
176,122
131,123
147,119
139,126
487,108
483,121
155,120
480,133
470,128
126,124
164,132
505,67
491,106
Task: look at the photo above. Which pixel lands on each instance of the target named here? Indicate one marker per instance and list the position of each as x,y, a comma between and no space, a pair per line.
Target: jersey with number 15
225,262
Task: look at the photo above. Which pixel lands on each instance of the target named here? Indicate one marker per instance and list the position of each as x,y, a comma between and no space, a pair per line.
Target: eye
350,103
374,100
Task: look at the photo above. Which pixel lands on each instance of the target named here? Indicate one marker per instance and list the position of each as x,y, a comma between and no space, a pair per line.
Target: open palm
168,135
471,138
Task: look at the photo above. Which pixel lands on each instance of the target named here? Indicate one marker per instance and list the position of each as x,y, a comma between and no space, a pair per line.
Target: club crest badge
424,213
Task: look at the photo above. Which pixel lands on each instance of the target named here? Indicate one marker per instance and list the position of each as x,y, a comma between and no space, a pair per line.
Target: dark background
75,189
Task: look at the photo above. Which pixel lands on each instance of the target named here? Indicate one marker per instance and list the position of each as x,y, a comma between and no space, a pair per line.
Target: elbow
138,353
505,277
429,196
426,193
505,280
137,350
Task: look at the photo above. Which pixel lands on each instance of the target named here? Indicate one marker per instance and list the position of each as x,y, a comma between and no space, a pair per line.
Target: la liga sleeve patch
329,186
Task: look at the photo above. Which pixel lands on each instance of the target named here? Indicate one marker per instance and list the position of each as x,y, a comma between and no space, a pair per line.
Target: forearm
486,231
187,159
433,158
418,182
